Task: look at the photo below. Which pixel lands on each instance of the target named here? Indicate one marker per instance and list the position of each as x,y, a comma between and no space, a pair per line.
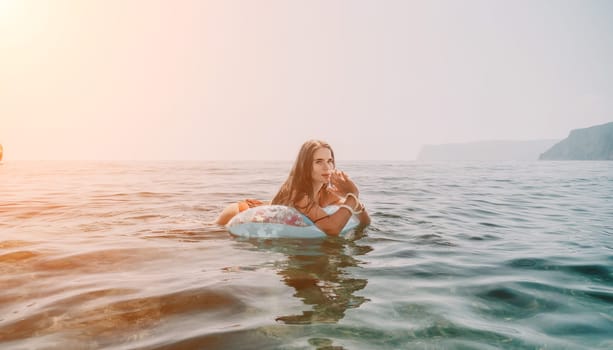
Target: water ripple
475,255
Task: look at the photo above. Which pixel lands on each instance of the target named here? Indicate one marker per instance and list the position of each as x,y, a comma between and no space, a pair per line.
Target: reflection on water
474,256
320,272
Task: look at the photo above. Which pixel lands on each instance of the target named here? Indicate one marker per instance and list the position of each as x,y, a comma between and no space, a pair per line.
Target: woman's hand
341,184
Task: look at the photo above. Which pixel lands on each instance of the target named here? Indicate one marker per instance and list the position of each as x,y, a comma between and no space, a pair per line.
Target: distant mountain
486,150
593,143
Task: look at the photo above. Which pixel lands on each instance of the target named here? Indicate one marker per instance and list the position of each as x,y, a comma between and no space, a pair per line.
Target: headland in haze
592,143
485,150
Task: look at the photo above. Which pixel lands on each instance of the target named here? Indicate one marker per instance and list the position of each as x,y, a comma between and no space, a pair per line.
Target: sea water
473,255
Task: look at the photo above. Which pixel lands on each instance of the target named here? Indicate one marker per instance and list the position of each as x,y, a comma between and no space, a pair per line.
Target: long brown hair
299,183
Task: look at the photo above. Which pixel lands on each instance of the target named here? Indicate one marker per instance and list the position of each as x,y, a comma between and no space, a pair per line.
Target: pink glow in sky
254,79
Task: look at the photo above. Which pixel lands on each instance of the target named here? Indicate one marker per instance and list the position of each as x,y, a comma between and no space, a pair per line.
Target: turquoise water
117,255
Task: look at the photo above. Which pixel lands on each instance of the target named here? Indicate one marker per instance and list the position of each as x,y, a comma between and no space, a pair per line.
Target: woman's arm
330,224
363,216
342,185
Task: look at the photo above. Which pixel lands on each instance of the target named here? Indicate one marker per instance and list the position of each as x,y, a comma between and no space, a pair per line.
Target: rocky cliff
593,143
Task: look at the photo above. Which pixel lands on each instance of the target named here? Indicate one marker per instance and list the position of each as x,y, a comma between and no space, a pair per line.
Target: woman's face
323,166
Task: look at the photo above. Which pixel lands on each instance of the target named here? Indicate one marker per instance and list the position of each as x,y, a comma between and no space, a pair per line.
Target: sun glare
8,9
12,17
19,17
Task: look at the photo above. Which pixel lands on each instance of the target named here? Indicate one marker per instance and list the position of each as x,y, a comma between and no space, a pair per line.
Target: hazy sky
121,79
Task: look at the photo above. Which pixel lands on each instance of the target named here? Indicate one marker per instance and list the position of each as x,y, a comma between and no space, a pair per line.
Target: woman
314,183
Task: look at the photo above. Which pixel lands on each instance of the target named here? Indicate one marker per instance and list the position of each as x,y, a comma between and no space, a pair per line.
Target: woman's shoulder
302,202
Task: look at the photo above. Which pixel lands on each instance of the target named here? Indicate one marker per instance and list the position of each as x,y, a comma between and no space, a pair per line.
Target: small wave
98,316
95,261
595,272
14,244
509,301
18,256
